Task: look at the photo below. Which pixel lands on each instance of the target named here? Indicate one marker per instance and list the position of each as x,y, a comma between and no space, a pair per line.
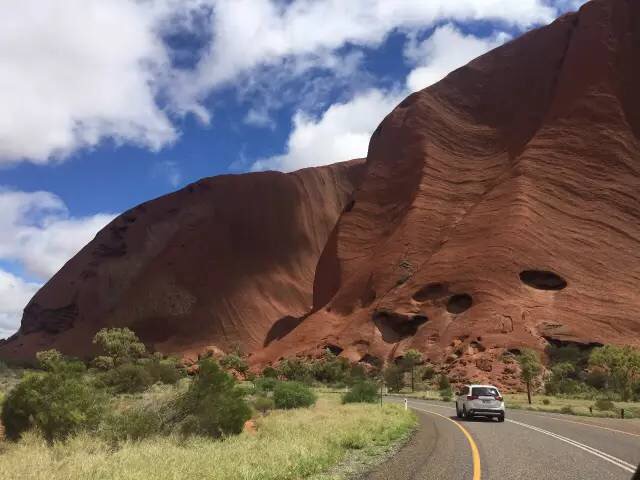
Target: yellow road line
474,448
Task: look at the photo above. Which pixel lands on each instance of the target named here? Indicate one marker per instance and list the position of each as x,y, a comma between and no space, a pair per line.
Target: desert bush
622,364
57,402
213,405
428,372
597,378
394,378
121,344
265,384
126,378
567,409
330,368
235,362
546,401
269,372
296,370
604,404
163,371
133,424
443,383
361,392
263,404
293,395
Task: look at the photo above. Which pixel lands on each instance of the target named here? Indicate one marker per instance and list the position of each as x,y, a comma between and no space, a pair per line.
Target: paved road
528,445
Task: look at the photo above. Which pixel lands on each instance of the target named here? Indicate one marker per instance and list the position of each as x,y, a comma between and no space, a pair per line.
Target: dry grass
288,445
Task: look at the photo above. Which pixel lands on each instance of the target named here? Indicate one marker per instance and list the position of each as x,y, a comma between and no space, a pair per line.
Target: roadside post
622,413
406,405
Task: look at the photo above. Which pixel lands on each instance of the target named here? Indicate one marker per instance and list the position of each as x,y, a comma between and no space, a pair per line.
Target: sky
108,104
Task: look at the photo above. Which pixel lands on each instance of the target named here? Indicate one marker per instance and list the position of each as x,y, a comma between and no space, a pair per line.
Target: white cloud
341,133
248,34
444,51
37,231
73,73
15,293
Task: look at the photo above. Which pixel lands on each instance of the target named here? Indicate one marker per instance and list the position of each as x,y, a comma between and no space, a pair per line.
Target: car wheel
464,412
458,413
501,418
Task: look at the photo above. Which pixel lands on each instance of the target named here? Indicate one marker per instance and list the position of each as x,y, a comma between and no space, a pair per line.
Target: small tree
121,344
394,378
213,405
622,364
530,368
410,360
58,401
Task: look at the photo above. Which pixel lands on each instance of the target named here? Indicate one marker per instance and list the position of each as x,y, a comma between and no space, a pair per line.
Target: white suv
480,400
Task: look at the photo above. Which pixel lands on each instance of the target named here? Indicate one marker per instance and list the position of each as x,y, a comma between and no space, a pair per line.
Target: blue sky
109,104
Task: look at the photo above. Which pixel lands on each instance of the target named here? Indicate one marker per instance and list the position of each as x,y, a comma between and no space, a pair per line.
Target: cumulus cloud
37,231
341,133
248,34
76,72
444,51
15,293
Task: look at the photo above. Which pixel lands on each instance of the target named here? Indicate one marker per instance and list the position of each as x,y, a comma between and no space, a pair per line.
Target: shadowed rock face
497,210
219,262
509,192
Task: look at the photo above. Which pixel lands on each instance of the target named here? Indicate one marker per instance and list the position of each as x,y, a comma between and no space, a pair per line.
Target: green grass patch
287,445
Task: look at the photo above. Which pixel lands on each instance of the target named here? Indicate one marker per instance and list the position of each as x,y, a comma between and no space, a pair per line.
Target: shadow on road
473,419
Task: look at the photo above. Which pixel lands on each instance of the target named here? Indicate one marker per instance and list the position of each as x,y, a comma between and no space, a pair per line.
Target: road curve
527,445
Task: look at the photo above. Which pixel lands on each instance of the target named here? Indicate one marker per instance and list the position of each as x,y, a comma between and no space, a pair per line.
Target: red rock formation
219,263
499,209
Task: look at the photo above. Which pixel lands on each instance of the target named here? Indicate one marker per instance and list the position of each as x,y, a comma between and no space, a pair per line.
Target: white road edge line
594,451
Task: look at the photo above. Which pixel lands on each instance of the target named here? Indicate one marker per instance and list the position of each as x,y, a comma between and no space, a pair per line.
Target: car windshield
484,392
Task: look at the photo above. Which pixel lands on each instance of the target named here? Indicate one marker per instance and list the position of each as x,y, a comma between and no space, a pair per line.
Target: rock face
500,209
226,261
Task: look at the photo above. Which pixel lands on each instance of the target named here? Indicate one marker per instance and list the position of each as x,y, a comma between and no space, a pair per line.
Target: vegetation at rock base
530,368
361,392
287,395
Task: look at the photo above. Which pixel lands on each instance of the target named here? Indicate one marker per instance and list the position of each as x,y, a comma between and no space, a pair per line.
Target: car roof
478,385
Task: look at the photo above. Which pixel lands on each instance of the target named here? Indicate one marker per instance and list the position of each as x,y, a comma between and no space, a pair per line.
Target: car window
484,392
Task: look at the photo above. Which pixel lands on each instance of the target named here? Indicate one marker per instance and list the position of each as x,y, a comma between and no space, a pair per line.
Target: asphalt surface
527,445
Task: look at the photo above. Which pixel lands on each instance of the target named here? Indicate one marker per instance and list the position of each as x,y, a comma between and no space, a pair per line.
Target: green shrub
235,362
263,404
293,395
58,403
567,409
604,404
121,344
296,370
126,378
330,368
269,372
428,373
361,392
443,383
213,405
265,384
133,424
546,401
163,371
394,378
445,397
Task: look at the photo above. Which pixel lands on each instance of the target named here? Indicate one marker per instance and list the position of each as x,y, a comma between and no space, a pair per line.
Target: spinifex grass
287,445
